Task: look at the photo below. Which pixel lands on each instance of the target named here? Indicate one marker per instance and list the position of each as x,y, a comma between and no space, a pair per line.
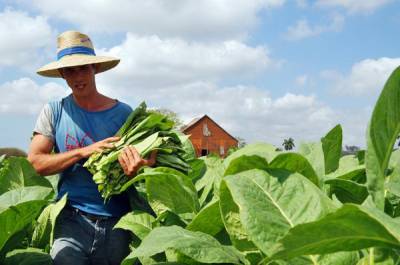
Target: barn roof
190,124
197,120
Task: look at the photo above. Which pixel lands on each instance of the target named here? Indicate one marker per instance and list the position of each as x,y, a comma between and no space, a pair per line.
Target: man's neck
93,101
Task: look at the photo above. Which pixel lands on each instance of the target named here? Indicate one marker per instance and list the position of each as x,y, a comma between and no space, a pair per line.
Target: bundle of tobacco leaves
146,131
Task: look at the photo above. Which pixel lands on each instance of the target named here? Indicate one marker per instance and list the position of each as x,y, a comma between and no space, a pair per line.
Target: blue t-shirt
71,127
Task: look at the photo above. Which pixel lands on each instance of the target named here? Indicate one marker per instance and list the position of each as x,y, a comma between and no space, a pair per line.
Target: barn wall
218,140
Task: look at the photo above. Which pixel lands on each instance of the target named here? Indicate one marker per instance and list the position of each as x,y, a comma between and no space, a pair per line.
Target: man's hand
99,146
131,161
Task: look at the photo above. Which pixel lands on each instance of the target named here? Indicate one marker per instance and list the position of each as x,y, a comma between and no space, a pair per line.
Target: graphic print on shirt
72,143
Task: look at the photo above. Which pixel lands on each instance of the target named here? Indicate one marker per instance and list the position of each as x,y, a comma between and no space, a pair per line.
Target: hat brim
103,63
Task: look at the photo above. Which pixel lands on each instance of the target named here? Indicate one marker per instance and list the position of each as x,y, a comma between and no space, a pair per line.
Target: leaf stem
371,256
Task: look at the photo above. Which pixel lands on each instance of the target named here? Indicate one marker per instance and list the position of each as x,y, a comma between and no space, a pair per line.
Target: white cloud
301,80
355,6
248,112
154,62
303,29
25,96
23,38
355,123
366,77
190,18
302,3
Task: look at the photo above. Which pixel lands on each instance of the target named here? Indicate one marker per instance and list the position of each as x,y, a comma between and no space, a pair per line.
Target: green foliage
384,127
271,202
332,147
292,208
43,234
258,206
195,245
23,195
29,256
367,227
139,223
208,220
295,163
17,172
310,207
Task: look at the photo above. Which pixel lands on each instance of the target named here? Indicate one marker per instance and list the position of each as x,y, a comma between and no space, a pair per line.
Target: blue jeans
79,240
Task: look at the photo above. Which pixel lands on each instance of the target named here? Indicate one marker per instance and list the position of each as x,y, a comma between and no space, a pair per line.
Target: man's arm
46,163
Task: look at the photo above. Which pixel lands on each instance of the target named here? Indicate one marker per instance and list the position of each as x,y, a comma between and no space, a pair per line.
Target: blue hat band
75,50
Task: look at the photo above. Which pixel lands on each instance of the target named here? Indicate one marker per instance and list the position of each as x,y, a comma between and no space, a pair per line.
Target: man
76,127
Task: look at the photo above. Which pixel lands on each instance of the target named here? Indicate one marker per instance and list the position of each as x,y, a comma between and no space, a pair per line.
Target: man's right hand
99,146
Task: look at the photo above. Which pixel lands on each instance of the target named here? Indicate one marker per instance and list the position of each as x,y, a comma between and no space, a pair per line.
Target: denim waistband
90,216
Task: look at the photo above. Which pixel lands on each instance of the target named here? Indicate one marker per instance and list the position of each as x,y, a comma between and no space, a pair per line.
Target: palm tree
288,144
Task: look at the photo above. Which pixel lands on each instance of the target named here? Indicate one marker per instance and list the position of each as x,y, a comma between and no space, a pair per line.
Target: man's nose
77,74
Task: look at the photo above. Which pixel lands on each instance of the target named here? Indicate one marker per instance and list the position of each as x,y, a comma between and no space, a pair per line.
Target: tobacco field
257,206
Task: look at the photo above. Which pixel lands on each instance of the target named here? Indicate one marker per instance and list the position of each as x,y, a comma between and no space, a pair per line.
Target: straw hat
75,49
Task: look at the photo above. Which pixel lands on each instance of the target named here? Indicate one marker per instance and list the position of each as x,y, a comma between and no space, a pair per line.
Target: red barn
208,137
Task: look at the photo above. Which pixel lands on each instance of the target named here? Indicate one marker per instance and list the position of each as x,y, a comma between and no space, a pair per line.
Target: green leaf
18,240
208,220
231,217
17,173
384,127
208,184
244,162
198,167
352,227
29,256
361,157
190,152
139,223
24,194
169,189
266,151
17,217
20,207
348,191
295,163
43,234
380,256
347,163
129,260
392,183
332,148
139,111
53,179
357,175
315,155
338,258
349,169
269,204
195,245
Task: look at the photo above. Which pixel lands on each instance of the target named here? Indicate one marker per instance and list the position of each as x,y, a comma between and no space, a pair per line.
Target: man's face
80,79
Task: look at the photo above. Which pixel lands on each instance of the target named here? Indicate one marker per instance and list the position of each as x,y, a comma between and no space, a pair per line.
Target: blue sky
265,70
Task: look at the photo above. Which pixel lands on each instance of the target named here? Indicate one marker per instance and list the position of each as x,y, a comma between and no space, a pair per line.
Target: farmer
76,127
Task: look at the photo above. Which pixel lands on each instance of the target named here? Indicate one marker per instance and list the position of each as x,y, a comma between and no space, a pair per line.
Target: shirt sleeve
44,124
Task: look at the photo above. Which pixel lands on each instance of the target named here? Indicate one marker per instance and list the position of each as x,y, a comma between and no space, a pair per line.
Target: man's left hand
131,161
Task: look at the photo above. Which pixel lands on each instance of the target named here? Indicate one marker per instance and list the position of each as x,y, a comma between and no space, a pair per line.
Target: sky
265,70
